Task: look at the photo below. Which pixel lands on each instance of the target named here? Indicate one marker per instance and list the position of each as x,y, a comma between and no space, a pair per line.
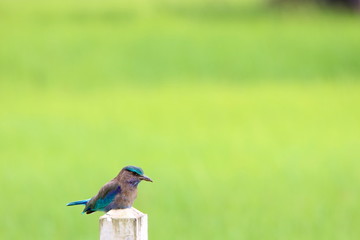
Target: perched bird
117,194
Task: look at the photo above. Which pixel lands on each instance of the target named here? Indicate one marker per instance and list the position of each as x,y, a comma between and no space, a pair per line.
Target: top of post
124,224
123,213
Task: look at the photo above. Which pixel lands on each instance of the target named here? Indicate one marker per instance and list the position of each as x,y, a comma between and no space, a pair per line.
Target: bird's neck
133,183
126,182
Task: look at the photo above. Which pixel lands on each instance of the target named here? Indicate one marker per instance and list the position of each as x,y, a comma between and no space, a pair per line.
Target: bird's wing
104,197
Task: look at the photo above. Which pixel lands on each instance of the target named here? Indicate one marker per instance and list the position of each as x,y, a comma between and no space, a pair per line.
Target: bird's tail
81,202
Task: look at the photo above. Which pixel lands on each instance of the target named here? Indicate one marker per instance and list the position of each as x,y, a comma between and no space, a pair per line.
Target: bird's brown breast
127,196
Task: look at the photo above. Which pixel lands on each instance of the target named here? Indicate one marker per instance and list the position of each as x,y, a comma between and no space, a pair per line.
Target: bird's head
133,175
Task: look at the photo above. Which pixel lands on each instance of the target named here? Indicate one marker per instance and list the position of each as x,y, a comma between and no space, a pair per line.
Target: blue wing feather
105,196
101,203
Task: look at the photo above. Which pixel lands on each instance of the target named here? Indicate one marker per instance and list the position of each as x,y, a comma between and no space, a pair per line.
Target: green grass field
247,119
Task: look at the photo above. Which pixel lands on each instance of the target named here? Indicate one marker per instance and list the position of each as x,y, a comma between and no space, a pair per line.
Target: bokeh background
245,113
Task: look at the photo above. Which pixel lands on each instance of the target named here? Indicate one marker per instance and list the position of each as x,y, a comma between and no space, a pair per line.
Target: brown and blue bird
119,193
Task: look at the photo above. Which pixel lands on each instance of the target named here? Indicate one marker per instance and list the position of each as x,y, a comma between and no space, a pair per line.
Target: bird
119,193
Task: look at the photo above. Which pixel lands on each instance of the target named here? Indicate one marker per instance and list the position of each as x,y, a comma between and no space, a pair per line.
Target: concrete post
124,224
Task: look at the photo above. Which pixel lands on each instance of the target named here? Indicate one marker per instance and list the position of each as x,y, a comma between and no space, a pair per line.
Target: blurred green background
245,115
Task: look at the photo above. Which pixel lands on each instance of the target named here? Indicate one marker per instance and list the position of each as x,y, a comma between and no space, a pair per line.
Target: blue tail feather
81,202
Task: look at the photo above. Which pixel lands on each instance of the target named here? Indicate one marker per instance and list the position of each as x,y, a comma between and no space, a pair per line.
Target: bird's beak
143,177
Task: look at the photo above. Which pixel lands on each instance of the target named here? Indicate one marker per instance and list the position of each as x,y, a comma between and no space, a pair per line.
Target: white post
124,224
